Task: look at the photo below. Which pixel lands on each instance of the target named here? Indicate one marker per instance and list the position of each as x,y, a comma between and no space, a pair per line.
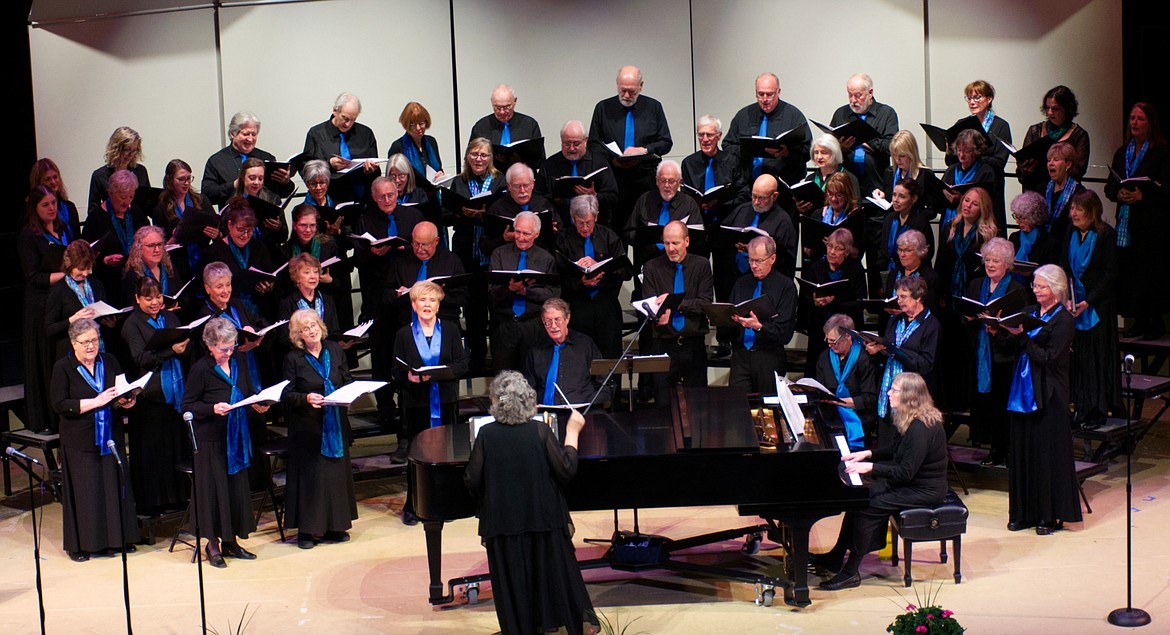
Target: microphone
189,419
1129,364
114,448
11,451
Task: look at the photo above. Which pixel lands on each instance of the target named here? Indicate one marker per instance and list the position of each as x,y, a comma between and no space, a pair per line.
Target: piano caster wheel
751,546
766,596
472,593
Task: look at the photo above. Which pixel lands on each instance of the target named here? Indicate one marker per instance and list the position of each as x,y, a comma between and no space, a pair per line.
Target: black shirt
606,244
506,258
776,330
779,226
784,117
323,141
223,167
651,130
604,183
573,375
698,288
877,156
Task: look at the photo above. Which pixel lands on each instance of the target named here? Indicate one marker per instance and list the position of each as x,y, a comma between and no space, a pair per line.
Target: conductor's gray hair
513,400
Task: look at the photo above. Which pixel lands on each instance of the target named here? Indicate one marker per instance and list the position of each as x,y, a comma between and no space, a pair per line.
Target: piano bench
946,522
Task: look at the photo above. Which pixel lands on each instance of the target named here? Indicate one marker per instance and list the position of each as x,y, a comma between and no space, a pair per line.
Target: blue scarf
961,243
854,432
314,248
331,445
63,240
170,371
318,304
983,341
1133,157
103,418
1021,396
896,230
1056,207
233,316
962,177
902,332
83,291
239,441
1080,252
829,216
411,151
123,229
429,352
164,282
1027,239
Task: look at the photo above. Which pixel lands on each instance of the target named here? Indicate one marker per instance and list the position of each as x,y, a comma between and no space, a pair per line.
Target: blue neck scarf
476,186
962,177
854,432
66,227
1027,239
331,445
123,229
317,304
961,243
103,418
63,240
1021,395
233,316
83,291
1133,157
412,154
239,441
896,229
1057,207
170,371
314,248
164,282
1080,252
429,352
983,341
831,216
904,328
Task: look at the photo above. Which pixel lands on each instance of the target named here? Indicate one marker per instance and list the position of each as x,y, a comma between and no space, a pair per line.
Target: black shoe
841,581
234,550
993,460
1047,529
216,559
827,561
131,548
1019,525
78,556
306,541
336,536
409,519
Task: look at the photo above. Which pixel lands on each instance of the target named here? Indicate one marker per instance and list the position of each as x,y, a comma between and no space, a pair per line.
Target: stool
946,522
185,466
273,450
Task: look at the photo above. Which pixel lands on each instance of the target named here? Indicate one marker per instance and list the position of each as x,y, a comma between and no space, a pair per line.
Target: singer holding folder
225,448
319,494
82,394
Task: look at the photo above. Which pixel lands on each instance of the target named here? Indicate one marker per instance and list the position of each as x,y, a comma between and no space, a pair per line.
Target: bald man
770,116
340,138
427,259
637,124
681,336
576,158
505,125
867,161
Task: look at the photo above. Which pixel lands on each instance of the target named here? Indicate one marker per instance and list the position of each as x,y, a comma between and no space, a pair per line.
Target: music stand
630,364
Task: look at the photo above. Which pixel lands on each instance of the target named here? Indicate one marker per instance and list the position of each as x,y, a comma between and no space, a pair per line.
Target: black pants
510,341
688,365
601,320
754,370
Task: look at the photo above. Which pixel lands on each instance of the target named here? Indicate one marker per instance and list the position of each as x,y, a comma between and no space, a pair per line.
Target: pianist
911,472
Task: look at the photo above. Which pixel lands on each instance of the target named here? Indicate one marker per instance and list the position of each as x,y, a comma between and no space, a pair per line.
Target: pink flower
948,613
930,616
919,629
911,607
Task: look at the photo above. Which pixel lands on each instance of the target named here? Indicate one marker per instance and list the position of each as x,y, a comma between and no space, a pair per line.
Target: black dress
814,317
1042,480
416,397
38,350
987,424
1096,376
957,270
158,437
516,472
89,480
225,500
319,491
1142,288
61,305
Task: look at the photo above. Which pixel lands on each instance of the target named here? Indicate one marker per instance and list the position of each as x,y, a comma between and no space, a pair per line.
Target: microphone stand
188,419
1129,616
122,533
36,538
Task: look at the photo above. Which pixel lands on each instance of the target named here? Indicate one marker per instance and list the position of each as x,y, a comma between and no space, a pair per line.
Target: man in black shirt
521,197
787,163
710,167
593,298
659,206
505,125
869,160
339,139
223,168
612,121
427,260
682,335
576,158
573,352
758,344
516,305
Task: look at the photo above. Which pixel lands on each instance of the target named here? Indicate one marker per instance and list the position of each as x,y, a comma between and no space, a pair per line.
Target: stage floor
377,582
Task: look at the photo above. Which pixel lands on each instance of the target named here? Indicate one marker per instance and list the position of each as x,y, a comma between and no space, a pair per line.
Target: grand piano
702,450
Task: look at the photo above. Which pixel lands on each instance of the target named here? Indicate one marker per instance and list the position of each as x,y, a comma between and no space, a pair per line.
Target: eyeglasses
479,155
152,245
974,98
759,261
226,349
554,321
90,343
833,342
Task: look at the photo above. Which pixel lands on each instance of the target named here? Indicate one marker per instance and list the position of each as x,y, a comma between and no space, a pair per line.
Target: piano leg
434,536
796,594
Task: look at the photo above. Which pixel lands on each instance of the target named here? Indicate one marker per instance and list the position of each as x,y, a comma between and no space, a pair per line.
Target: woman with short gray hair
217,381
516,470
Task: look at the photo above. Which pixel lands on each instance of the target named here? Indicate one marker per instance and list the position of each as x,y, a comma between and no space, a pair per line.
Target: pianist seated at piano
758,342
909,472
846,369
562,359
517,471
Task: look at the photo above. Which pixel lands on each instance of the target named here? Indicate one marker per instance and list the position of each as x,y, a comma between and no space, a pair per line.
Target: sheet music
348,393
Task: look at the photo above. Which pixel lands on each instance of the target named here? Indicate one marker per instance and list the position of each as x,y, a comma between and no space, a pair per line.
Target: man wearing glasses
562,358
757,346
505,125
576,158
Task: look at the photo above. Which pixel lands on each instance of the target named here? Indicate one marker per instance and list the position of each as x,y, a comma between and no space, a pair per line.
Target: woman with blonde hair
906,163
123,152
149,258
910,472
